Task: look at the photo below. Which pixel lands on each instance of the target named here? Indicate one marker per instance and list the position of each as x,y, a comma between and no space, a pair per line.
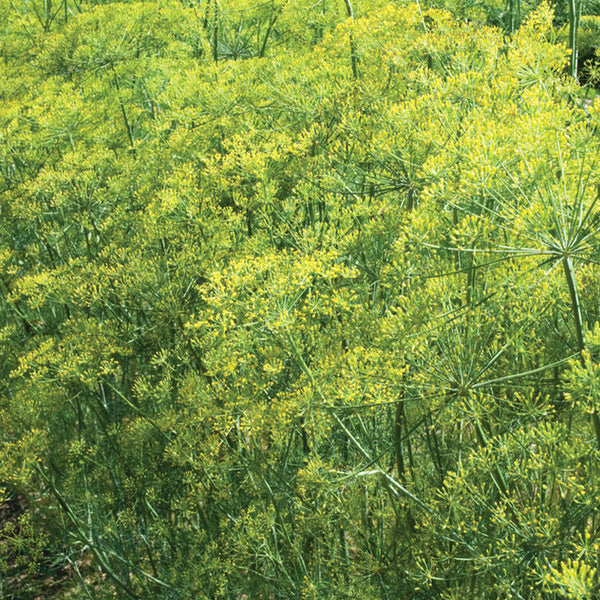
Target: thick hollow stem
573,27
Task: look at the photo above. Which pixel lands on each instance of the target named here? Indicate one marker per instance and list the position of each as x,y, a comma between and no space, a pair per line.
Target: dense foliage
298,300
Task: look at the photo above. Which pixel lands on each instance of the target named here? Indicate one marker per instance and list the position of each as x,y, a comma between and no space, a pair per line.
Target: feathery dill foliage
296,305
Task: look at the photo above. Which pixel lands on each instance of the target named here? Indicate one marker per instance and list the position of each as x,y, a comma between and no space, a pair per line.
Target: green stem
124,112
573,27
274,17
398,439
215,32
352,46
575,303
578,318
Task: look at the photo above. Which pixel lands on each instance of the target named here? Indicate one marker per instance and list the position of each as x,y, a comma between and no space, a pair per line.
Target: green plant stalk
399,426
215,32
353,57
514,10
573,28
272,20
578,318
124,113
398,439
575,303
82,582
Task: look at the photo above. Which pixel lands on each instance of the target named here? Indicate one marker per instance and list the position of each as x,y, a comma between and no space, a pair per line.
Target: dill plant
297,306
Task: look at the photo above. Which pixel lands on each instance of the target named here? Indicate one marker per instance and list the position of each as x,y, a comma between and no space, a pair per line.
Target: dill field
299,300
